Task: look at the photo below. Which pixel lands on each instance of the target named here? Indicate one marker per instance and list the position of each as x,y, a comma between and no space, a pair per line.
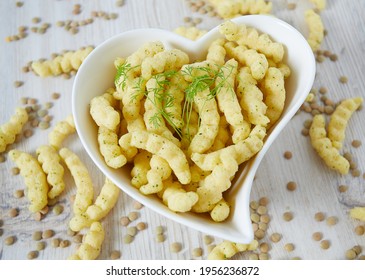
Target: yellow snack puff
221,211
250,37
227,249
34,178
222,137
209,122
84,185
164,61
216,52
191,33
109,148
91,245
160,171
273,88
339,119
103,204
316,29
14,126
61,64
158,145
102,111
140,168
358,213
252,98
177,199
50,160
323,146
60,132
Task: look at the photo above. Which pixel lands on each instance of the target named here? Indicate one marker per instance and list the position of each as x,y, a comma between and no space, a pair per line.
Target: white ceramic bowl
97,73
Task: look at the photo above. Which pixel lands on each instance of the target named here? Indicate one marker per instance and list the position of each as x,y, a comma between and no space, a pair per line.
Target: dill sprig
121,76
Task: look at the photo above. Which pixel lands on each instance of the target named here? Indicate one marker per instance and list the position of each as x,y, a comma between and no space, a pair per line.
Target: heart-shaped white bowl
97,72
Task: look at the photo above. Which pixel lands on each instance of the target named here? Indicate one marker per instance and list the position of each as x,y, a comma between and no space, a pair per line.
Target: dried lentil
127,239
343,79
325,244
261,210
159,230
289,247
13,212
132,231
356,143
291,186
331,221
288,216
132,216
275,237
160,237
137,205
288,155
115,254
141,226
15,171
291,6
19,193
253,257
32,255
70,232
197,252
319,217
124,221
37,235
264,247
208,239
10,240
18,84
343,188
359,230
65,243
77,238
41,246
351,254
48,234
55,242
175,247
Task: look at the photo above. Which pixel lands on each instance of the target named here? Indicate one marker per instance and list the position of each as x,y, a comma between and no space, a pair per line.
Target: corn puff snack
9,130
249,37
222,137
158,145
140,168
228,9
251,98
339,119
358,213
84,185
109,148
102,111
177,198
60,132
164,61
91,244
316,29
227,249
191,33
103,204
50,160
221,211
216,52
160,171
274,88
34,178
323,146
64,63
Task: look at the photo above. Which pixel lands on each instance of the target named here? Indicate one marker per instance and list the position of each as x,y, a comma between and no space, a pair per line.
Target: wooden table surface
317,186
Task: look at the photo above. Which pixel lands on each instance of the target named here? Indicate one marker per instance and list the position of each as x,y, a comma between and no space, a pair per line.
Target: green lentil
19,193
160,237
114,255
132,231
197,252
175,247
37,235
127,239
10,240
32,255
41,246
55,243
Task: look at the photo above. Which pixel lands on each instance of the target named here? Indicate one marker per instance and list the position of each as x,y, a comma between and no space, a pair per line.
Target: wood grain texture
317,185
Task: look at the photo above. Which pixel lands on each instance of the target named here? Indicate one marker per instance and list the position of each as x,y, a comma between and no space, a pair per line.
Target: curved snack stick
324,147
14,126
102,111
177,199
228,102
60,131
163,61
252,98
50,160
84,185
250,37
103,204
158,145
109,148
316,29
209,122
216,52
140,168
34,178
227,249
221,211
91,245
274,94
339,119
222,137
61,64
160,171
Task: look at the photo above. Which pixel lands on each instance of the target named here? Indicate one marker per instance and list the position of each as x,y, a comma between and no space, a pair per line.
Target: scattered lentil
197,252
32,255
291,186
55,242
319,216
357,249
119,3
291,6
37,235
289,247
254,205
132,216
263,256
13,212
264,247
19,4
331,221
65,243
70,232
18,84
124,221
351,254
208,239
37,216
36,20
288,155
19,193
160,237
356,143
15,171
275,237
45,210
263,226
343,79
175,247
41,246
48,234
43,125
356,173
28,133
127,239
55,95
57,209
359,230
263,201
343,188
132,231
288,216
253,257
2,158
159,230
10,240
261,210
77,238
137,205
259,234
265,218
115,254
141,226
325,244
255,218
